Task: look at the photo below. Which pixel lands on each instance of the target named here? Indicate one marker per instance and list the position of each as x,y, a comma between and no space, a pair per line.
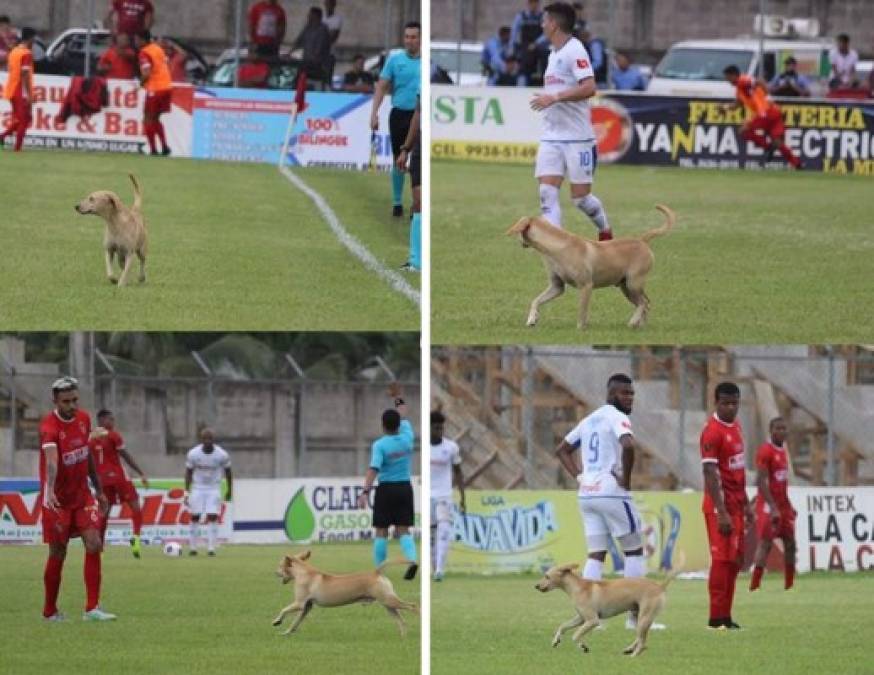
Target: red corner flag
300,91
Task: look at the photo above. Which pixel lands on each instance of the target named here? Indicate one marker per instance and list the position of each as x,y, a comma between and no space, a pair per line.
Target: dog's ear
521,225
287,560
114,201
305,555
570,567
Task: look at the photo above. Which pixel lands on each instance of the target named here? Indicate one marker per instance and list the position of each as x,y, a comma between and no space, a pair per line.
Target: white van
694,67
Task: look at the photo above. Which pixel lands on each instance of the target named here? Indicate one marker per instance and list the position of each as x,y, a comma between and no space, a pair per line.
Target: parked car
66,54
446,56
283,70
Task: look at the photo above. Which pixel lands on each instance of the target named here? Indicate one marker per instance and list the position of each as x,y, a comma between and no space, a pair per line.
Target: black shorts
416,166
393,505
398,127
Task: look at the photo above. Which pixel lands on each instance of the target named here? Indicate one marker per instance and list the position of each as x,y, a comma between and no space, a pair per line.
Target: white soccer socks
594,209
592,569
549,204
444,534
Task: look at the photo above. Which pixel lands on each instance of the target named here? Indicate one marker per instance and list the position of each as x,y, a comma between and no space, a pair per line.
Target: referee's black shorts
416,165
398,127
393,505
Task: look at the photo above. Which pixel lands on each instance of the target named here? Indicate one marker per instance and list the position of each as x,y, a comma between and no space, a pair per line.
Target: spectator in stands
580,23
266,26
176,59
315,40
530,45
790,82
254,71
332,20
598,53
843,60
496,50
130,16
357,79
625,76
510,76
8,39
119,61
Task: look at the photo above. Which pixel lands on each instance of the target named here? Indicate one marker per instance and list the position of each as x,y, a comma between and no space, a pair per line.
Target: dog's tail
138,192
394,561
677,569
670,217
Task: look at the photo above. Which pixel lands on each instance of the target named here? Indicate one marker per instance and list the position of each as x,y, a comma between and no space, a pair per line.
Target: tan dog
125,233
312,587
596,600
588,264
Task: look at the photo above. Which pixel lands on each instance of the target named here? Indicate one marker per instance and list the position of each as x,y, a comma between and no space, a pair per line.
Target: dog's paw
113,280
556,641
532,320
277,621
584,648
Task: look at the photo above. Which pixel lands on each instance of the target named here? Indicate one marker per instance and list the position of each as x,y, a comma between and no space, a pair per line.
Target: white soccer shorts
207,502
575,160
603,516
441,510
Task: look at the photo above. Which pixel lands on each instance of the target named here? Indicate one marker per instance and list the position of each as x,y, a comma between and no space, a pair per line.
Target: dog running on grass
125,234
596,600
587,265
313,587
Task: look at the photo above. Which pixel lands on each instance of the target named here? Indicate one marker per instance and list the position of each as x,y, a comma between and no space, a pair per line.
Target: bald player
205,466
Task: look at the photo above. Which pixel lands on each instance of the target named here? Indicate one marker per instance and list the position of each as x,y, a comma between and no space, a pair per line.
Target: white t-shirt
567,120
334,22
444,456
597,437
208,467
844,63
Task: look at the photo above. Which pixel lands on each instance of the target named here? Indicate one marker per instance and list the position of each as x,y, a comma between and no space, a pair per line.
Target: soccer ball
173,549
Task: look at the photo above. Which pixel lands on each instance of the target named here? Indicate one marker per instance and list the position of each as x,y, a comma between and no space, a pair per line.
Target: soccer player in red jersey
68,507
119,61
775,516
131,16
19,88
725,502
108,452
765,128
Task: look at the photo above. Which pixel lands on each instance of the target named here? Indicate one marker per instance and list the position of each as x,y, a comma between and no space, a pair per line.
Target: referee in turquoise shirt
403,73
390,459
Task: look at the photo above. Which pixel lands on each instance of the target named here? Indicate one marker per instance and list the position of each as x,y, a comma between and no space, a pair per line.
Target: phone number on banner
486,152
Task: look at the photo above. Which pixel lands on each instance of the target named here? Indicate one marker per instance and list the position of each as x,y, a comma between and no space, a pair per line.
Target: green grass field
234,246
503,625
197,615
771,257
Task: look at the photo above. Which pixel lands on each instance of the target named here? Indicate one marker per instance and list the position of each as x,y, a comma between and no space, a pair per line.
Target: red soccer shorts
785,528
20,111
158,103
771,123
120,493
726,548
59,526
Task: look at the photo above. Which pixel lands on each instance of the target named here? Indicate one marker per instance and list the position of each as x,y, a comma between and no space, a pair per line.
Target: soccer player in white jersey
445,469
205,466
605,444
567,142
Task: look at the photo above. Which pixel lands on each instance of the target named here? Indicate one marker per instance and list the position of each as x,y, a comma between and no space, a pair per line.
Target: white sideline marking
355,247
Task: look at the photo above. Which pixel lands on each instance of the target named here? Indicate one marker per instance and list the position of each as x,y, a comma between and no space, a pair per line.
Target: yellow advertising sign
508,531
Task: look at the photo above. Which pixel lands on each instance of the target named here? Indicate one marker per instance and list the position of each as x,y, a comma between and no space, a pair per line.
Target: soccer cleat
211,553
57,616
98,614
165,152
438,576
769,153
135,546
731,625
397,211
409,267
193,552
410,574
717,624
605,235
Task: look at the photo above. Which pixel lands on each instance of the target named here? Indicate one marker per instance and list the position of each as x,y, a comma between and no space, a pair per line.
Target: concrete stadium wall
649,27
209,24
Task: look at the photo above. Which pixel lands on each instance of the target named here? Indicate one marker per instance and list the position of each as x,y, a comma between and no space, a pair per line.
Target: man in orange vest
19,88
765,127
156,80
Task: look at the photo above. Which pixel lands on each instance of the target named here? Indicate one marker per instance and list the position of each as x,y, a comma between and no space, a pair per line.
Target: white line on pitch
355,247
